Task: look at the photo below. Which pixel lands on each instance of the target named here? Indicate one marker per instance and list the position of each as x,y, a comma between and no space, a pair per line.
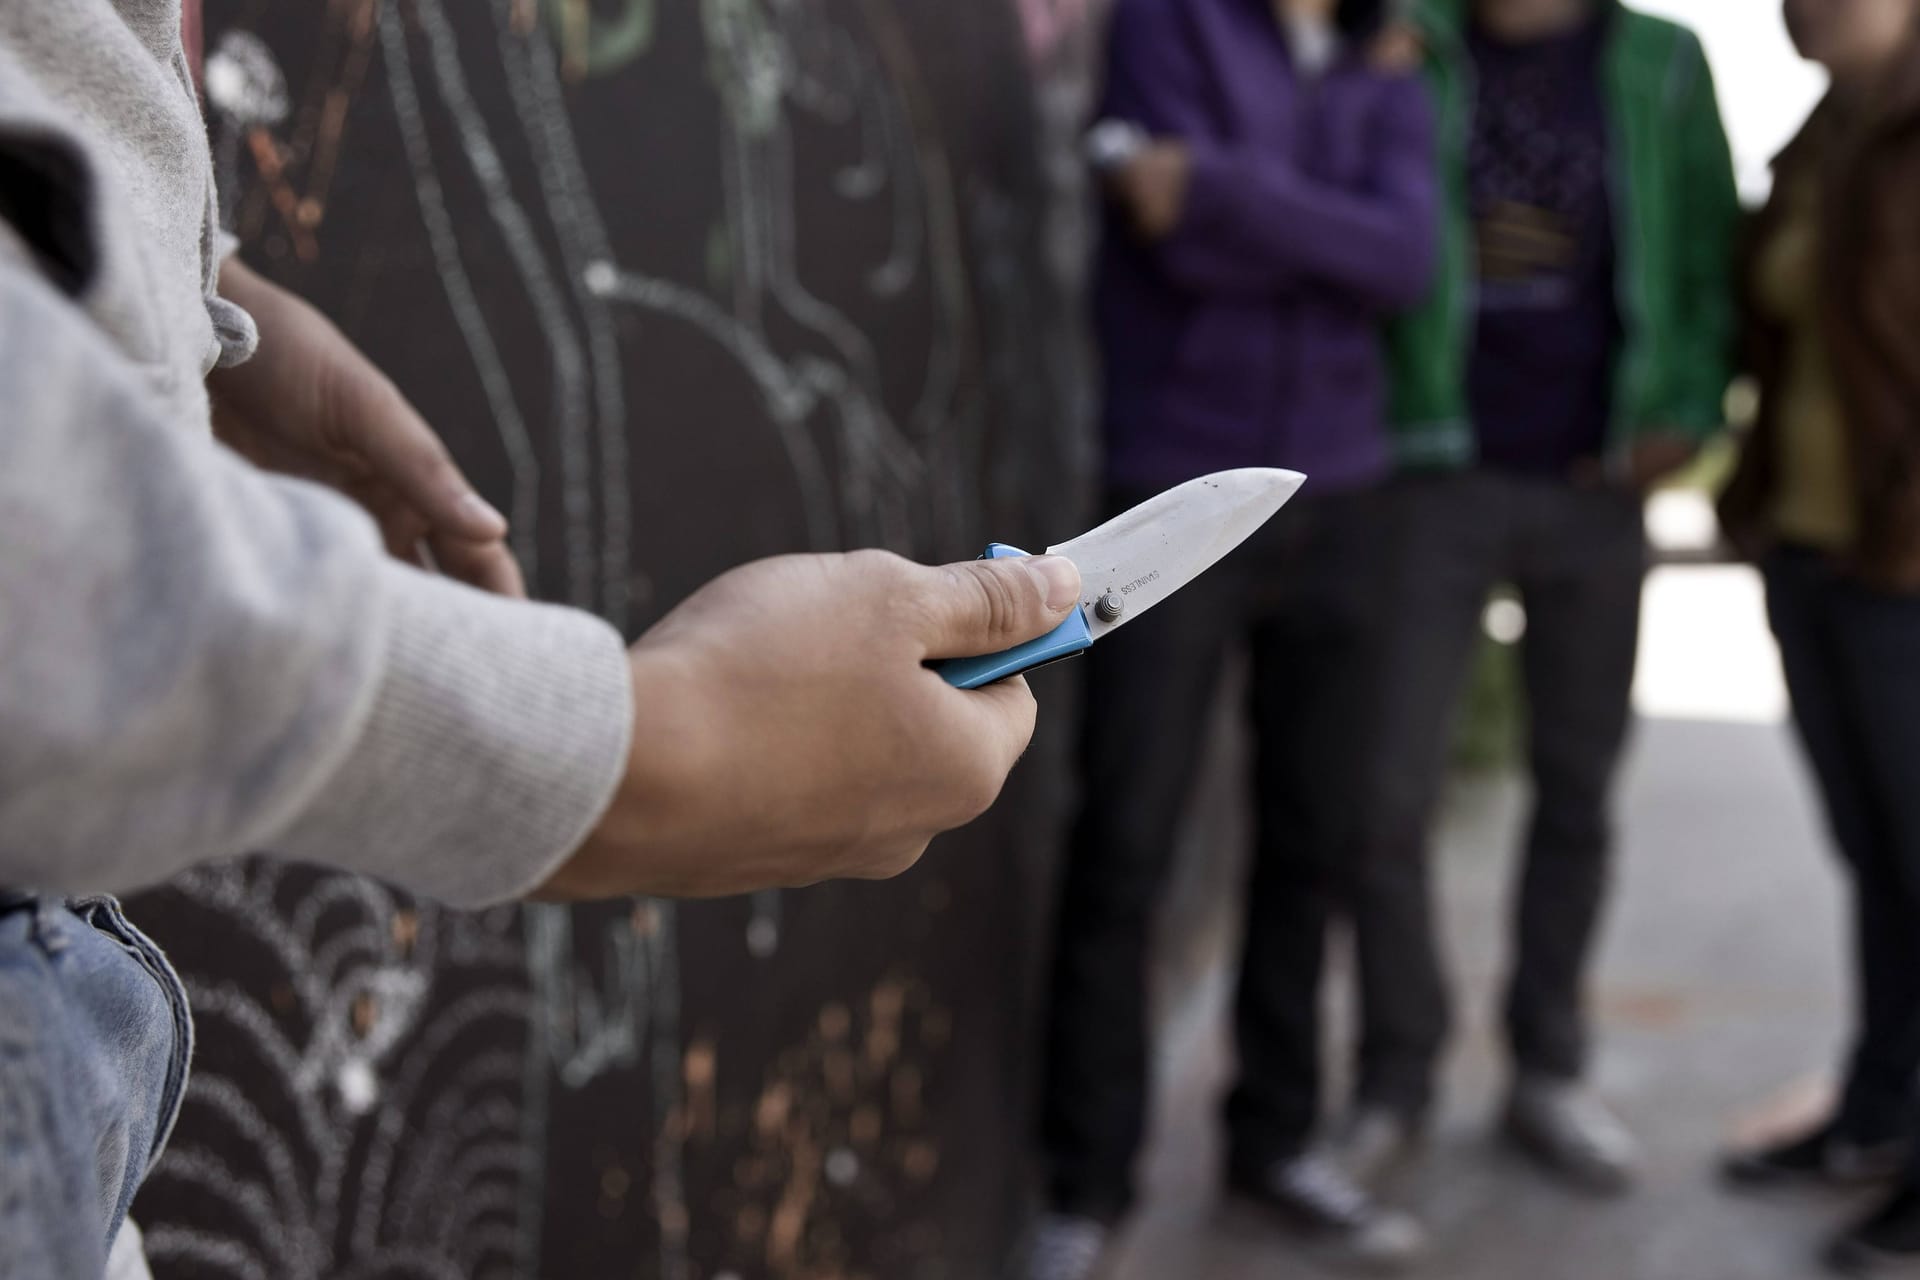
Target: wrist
250,387
645,840
490,745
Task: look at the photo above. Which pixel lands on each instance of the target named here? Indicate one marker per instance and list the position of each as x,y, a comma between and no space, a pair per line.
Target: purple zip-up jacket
1250,336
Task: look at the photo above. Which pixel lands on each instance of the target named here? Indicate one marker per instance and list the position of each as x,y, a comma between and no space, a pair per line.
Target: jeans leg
1446,540
1150,687
1804,595
92,1070
1581,573
1314,651
128,1258
1877,640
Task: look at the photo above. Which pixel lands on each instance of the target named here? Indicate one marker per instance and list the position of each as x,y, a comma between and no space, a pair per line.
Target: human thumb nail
1059,580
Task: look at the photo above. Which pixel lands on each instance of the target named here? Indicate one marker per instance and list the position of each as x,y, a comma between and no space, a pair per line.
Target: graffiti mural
683,282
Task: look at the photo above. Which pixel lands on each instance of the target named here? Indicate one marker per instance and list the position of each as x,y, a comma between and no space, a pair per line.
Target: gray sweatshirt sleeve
198,660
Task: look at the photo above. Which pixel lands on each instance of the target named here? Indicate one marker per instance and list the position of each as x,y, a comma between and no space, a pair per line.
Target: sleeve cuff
495,741
1208,182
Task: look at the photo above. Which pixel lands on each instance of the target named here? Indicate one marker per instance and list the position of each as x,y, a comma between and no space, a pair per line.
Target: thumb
984,606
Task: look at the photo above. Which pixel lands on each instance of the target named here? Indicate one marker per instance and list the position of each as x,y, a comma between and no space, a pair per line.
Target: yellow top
1815,503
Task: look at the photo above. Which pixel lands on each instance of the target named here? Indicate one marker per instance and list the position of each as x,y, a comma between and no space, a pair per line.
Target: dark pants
1577,557
1303,596
1852,661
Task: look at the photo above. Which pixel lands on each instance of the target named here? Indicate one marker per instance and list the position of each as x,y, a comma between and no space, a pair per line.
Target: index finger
484,563
1004,715
388,433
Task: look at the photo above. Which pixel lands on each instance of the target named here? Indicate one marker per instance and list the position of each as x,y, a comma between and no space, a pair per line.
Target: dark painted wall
684,282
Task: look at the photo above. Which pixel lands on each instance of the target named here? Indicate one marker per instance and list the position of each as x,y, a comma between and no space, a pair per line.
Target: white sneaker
1065,1247
1565,1127
1374,1143
1338,1220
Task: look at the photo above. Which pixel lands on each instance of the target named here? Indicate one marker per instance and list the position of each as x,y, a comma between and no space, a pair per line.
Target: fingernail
480,509
1059,580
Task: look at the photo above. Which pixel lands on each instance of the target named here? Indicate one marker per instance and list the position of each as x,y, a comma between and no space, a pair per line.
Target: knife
1137,559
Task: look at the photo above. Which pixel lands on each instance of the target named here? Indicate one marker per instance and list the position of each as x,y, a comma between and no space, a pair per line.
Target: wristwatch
1110,144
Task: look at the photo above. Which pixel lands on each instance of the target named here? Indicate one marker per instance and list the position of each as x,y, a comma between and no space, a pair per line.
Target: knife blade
1139,559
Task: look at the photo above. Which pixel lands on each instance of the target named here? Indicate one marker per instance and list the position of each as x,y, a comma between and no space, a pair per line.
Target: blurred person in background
1270,200
1576,349
1827,501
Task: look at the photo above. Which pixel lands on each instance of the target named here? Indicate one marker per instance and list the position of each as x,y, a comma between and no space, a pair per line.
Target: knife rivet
1109,607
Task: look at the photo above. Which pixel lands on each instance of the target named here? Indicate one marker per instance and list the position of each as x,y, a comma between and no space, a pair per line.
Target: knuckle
906,859
891,860
1024,716
977,789
884,575
331,396
1001,600
871,561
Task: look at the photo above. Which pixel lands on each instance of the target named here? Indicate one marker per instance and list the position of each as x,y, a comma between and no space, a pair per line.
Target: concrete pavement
1720,1001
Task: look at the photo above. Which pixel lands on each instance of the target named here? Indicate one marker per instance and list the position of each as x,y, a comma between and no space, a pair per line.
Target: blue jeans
94,1043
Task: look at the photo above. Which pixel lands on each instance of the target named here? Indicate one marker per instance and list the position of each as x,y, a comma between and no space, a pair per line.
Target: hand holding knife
1137,559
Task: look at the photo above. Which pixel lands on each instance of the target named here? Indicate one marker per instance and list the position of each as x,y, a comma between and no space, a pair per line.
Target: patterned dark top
1540,189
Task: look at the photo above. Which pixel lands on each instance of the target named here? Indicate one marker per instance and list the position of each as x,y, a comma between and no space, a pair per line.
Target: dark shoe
1313,1198
1065,1247
1375,1143
1886,1243
1567,1129
1819,1159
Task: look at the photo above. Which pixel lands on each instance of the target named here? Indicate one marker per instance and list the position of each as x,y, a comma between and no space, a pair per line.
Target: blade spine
1177,496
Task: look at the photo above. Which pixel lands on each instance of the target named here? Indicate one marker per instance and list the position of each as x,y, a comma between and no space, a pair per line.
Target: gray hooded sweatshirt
198,659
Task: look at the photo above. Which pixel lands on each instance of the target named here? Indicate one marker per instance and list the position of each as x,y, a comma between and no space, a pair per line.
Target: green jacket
1676,218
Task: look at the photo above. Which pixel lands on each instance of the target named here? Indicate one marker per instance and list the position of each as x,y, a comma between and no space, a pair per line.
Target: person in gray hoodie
204,652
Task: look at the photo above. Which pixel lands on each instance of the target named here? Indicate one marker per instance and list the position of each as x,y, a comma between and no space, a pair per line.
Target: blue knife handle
1070,637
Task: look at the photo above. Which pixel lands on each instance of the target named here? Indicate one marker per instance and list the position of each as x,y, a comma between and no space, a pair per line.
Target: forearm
197,660
257,384
1214,216
1253,222
1253,225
